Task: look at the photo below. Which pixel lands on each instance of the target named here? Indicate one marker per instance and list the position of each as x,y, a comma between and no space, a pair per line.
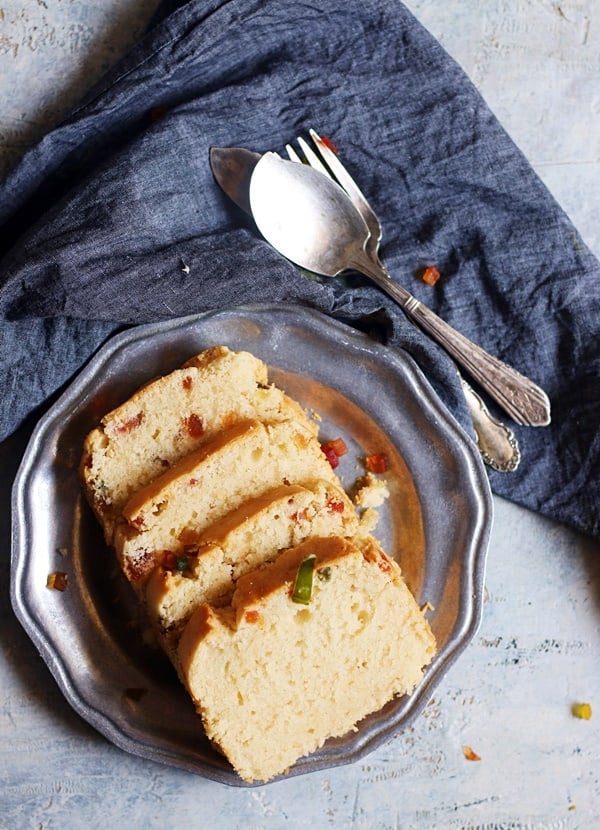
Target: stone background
509,697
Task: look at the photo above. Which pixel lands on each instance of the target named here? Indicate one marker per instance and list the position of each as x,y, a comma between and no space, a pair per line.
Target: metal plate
436,522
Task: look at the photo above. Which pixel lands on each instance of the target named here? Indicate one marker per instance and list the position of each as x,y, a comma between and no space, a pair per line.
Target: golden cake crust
273,679
212,487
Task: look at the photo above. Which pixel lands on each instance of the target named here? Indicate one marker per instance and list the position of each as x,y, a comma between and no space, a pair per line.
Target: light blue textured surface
538,650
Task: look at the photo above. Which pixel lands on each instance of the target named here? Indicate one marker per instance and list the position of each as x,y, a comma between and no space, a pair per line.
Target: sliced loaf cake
242,541
241,462
172,416
281,669
286,622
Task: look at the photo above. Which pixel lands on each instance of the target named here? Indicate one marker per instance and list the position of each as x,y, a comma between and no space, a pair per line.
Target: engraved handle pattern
525,402
496,442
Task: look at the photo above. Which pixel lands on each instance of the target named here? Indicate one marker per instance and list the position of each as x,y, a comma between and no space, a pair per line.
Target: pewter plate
436,523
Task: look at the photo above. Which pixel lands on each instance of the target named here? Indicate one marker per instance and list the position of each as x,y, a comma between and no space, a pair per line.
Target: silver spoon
496,442
310,220
232,168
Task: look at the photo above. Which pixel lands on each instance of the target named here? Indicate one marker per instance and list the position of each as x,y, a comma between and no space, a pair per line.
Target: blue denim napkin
99,219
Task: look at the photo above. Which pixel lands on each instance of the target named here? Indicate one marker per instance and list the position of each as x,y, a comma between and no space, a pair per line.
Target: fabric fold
114,218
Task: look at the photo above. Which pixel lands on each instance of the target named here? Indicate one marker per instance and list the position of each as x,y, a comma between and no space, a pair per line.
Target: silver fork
497,443
338,173
525,402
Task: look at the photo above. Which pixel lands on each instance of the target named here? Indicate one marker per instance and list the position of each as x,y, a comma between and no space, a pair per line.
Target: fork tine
334,169
292,154
347,182
312,158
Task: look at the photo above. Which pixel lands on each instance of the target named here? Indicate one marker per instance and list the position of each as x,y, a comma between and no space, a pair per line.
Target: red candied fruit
381,560
131,423
194,425
168,560
329,144
156,113
331,456
334,450
141,566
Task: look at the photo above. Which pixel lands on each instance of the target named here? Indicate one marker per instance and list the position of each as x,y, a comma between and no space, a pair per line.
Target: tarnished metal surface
436,522
538,649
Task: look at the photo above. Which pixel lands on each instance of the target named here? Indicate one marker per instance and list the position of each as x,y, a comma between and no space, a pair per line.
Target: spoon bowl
305,216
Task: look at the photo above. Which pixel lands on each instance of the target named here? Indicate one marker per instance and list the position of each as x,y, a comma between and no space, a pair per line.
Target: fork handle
525,402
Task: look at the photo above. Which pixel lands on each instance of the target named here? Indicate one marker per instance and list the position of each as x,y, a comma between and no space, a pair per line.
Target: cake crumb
371,492
369,520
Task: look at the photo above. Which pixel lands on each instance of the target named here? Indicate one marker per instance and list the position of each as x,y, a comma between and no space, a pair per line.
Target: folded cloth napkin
114,218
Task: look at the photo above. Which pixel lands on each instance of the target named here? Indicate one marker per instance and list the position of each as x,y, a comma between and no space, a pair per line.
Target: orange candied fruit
377,463
470,754
338,445
430,275
57,581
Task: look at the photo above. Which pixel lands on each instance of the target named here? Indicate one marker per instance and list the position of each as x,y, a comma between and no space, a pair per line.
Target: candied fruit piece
57,581
430,275
377,463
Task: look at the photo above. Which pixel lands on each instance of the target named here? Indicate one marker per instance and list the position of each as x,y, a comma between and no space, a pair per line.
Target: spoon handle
496,442
525,402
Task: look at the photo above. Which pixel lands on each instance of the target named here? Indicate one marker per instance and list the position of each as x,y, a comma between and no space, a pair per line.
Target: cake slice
172,416
274,678
242,462
243,540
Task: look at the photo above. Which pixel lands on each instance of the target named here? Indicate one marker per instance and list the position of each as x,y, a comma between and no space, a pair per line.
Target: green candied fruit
182,564
304,581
